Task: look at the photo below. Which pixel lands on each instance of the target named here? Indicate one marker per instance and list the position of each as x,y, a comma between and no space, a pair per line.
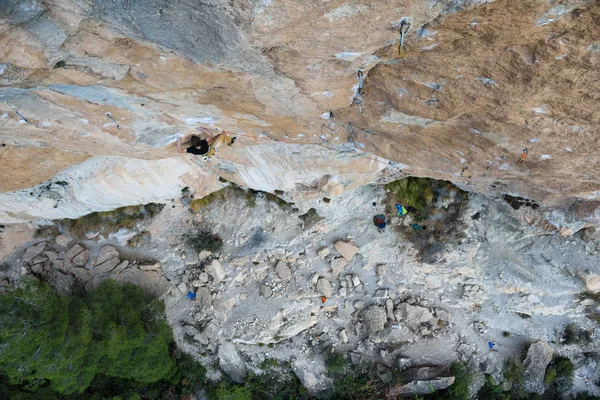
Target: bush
559,375
459,390
415,192
111,221
205,240
68,342
336,363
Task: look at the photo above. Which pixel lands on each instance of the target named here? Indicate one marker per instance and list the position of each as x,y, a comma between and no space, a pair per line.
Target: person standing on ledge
207,146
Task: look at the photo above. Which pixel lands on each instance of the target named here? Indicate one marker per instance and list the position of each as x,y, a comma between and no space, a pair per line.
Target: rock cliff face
480,82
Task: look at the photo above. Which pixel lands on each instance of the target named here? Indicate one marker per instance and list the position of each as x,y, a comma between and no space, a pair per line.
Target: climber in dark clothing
198,147
206,146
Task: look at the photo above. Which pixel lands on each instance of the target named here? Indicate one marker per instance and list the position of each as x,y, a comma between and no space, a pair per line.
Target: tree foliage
66,342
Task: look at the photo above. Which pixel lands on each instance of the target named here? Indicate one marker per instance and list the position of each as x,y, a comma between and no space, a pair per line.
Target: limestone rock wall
480,82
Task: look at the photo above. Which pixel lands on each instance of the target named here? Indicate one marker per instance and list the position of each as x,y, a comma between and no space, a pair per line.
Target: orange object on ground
324,299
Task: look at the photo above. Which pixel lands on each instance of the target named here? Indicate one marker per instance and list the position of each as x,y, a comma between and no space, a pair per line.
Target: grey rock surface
538,357
231,363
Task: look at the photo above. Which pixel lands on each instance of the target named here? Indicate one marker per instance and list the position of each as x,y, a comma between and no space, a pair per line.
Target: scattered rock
204,254
414,316
266,291
106,266
323,252
231,363
538,357
73,251
81,259
343,336
374,318
81,273
338,265
124,264
150,267
283,271
215,270
316,382
34,251
592,282
324,287
356,281
105,254
346,249
63,240
39,259
63,283
381,270
240,261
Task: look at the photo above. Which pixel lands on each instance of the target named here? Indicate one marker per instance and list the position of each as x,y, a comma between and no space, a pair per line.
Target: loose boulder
346,249
34,251
324,287
231,363
538,357
283,271
215,270
338,265
374,318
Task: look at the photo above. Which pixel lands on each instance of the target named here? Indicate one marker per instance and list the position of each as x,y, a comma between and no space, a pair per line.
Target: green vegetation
205,240
114,341
459,390
415,192
310,218
351,382
559,377
227,192
273,384
110,221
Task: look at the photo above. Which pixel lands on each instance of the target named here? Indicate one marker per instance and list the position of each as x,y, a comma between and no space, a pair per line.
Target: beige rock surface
465,95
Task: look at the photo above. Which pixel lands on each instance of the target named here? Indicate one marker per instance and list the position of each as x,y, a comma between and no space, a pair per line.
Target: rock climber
207,146
379,221
523,156
401,211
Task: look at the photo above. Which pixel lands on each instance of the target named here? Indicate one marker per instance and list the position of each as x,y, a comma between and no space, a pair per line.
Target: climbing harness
463,170
402,50
16,111
361,90
113,120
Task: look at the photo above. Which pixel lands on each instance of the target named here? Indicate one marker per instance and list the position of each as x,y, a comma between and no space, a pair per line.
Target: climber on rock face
206,146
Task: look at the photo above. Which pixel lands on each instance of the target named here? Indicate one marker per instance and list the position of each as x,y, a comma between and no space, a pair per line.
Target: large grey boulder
538,357
34,251
231,363
105,254
215,270
374,318
422,381
314,379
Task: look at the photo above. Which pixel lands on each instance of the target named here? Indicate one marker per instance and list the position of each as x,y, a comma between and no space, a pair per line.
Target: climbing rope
402,50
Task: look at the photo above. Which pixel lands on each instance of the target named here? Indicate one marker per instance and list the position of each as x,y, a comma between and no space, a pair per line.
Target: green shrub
459,390
336,362
66,342
415,192
205,240
111,221
229,391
